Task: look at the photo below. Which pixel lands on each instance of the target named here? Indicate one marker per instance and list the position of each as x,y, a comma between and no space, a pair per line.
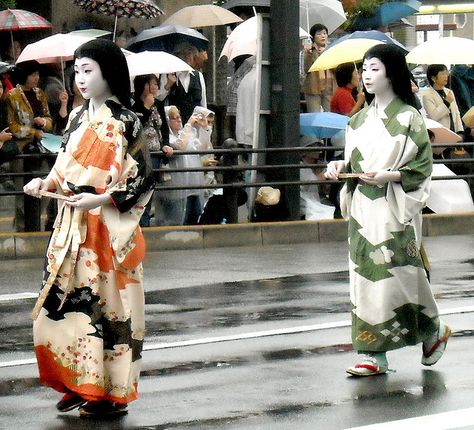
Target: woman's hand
5,135
333,169
380,178
33,187
63,98
450,96
39,121
209,162
171,80
167,150
87,201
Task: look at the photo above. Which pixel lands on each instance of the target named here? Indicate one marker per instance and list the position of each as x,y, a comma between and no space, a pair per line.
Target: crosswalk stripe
443,421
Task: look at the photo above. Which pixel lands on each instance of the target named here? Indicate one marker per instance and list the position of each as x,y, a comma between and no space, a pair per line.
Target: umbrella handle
115,25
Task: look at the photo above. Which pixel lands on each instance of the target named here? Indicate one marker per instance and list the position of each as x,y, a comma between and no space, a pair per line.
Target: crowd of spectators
173,111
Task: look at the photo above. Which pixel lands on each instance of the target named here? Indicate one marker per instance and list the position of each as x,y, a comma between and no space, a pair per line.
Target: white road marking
443,421
243,336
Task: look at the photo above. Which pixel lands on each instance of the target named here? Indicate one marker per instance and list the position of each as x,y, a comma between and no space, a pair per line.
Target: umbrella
442,134
468,118
205,15
322,125
18,19
347,51
122,8
243,40
165,37
90,32
386,13
155,62
370,34
446,50
53,49
327,12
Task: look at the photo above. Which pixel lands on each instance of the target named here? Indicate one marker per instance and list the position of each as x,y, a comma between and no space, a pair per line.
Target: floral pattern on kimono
392,302
89,331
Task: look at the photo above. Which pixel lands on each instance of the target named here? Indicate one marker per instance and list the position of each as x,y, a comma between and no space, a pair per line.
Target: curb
33,245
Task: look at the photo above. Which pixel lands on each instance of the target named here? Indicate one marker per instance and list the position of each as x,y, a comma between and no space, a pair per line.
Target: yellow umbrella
347,51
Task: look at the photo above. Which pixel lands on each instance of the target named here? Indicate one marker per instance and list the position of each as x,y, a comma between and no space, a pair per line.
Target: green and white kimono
392,302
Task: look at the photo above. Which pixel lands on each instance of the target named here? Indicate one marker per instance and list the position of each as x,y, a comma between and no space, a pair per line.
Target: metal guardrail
230,169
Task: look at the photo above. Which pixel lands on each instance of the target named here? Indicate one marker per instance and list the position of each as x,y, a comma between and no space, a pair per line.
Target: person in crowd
198,64
89,319
52,85
243,65
185,92
317,86
70,99
28,118
462,85
156,131
311,206
204,132
5,134
178,207
342,100
13,52
388,150
439,101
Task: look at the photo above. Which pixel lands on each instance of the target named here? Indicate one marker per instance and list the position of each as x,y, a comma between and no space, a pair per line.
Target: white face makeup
374,76
89,79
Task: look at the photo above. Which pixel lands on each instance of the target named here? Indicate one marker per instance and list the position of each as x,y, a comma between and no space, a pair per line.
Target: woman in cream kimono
389,156
89,318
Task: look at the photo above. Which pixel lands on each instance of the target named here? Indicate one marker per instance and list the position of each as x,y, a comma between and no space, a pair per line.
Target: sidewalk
31,245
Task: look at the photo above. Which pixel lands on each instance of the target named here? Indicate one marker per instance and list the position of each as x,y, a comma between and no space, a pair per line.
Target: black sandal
102,408
69,402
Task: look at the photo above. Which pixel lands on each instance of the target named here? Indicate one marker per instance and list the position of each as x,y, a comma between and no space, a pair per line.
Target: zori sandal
371,364
433,348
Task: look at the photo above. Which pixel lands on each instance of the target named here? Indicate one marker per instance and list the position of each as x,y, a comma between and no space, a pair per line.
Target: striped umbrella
121,8
18,19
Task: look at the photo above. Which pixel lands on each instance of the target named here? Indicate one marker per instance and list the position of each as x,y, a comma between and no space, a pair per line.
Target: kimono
89,326
392,302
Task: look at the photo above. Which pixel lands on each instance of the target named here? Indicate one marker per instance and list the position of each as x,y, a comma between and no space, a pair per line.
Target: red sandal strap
438,343
370,367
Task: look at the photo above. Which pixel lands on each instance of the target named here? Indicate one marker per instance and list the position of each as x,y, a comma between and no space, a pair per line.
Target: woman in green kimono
389,157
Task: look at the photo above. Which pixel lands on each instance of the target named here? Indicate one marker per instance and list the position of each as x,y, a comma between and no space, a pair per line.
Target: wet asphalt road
254,338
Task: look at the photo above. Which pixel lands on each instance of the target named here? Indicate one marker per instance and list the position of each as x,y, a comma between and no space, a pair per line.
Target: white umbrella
205,15
445,50
328,12
243,40
155,62
53,49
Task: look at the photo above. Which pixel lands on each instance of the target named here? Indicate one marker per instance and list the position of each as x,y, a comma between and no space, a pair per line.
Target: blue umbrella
322,125
386,13
369,34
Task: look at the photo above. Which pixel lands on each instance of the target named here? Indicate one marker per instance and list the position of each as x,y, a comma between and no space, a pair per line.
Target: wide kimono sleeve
408,197
137,173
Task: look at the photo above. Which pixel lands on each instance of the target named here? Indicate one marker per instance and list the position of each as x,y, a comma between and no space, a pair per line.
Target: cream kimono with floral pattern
392,302
89,326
